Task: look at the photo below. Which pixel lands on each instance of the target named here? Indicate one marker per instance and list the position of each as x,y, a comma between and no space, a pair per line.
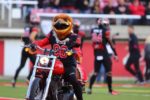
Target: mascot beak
61,24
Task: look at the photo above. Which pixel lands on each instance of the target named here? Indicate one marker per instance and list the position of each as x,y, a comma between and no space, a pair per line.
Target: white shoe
89,91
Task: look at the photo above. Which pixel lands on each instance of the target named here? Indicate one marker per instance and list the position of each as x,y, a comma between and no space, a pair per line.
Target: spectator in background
136,8
106,2
40,3
148,8
54,3
68,6
82,6
145,1
91,4
128,1
147,59
110,9
54,6
99,5
148,12
134,56
47,3
96,7
103,3
122,8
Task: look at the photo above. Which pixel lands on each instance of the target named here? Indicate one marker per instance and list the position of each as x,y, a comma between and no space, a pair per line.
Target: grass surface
99,93
137,93
7,91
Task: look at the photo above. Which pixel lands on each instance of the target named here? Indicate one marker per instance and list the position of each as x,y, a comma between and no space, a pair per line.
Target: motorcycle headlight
44,61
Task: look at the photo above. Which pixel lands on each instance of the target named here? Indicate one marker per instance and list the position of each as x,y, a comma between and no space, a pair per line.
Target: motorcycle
47,81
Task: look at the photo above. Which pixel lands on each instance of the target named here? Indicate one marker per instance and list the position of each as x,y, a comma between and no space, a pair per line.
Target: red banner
1,57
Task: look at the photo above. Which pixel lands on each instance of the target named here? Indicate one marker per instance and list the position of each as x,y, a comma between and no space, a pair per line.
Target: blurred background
15,15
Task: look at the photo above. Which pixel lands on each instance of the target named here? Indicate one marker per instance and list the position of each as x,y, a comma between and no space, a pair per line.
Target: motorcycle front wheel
36,92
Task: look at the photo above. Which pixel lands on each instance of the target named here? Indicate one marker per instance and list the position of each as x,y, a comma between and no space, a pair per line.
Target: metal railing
115,16
8,5
93,16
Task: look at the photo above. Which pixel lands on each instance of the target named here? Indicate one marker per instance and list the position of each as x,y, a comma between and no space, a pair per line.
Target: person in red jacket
136,8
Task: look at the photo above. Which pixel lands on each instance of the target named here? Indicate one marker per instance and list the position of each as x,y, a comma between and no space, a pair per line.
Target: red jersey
71,42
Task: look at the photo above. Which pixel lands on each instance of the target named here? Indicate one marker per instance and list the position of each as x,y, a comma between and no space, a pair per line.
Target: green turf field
99,93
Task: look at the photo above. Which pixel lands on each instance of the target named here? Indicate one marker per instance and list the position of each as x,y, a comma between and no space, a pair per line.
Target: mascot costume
66,45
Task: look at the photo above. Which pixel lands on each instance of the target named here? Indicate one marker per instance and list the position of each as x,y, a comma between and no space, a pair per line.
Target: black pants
24,56
136,71
147,73
70,76
108,69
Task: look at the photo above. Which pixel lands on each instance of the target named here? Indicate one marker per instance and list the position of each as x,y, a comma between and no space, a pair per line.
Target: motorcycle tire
35,89
68,96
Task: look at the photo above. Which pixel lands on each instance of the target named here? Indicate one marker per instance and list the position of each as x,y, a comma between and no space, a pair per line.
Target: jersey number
60,51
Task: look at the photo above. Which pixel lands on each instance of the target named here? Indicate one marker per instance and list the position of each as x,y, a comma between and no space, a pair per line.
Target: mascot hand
33,47
69,53
27,49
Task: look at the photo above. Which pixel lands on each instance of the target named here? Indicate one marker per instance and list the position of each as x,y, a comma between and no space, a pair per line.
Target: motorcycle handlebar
51,51
45,50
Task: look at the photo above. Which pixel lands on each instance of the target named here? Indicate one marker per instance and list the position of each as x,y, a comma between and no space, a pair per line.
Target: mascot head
62,25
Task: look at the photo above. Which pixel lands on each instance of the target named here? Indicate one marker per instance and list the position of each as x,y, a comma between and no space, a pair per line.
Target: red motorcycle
47,81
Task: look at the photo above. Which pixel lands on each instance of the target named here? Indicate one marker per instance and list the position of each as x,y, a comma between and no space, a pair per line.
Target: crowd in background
132,7
135,7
